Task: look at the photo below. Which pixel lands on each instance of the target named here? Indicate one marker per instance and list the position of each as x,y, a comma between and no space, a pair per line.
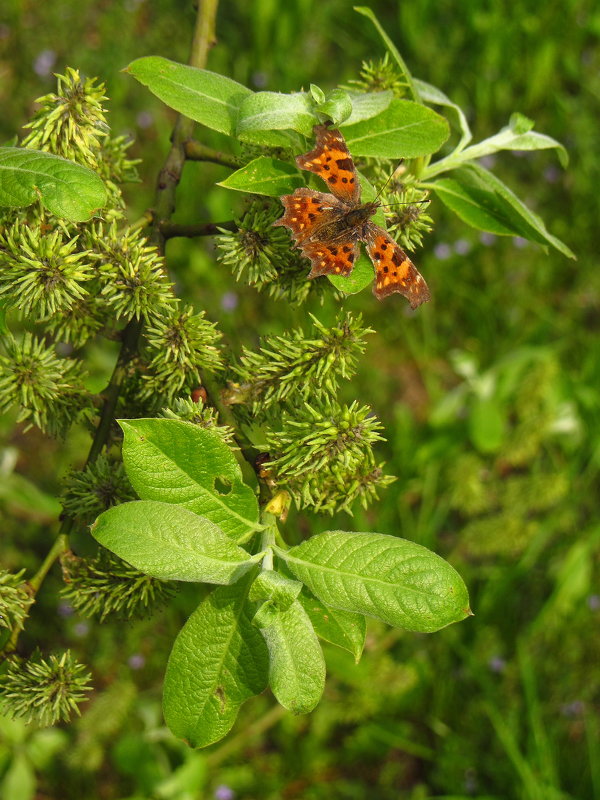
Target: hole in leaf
222,485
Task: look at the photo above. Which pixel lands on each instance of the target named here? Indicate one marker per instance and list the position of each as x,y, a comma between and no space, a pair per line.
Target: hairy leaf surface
397,581
178,462
171,543
218,661
66,189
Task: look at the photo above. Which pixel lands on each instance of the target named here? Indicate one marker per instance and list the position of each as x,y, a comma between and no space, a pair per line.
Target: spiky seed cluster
405,209
377,76
263,256
42,273
72,122
106,585
47,389
131,272
338,491
44,691
324,455
292,367
190,410
14,599
89,492
180,345
116,168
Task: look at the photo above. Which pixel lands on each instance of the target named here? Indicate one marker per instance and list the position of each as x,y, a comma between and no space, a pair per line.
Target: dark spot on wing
384,246
327,167
385,269
377,255
345,163
312,217
332,179
333,251
397,258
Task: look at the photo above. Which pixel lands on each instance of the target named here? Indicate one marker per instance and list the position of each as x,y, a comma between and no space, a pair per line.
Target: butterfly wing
394,271
306,211
331,160
331,259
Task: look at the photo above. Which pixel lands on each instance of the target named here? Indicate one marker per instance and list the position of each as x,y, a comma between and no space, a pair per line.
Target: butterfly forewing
331,160
306,211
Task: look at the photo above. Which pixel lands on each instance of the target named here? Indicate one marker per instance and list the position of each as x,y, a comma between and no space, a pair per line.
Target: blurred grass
489,395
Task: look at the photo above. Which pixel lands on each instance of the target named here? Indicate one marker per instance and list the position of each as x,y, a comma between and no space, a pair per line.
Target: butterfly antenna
391,175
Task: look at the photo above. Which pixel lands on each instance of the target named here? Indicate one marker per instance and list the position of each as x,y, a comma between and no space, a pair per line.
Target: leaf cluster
261,624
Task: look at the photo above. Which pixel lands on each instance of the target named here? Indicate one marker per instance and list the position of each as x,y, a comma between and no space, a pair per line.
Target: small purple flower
43,64
81,629
260,79
223,792
573,709
65,609
229,301
145,119
552,173
497,664
519,242
462,247
442,251
593,602
488,161
487,238
136,661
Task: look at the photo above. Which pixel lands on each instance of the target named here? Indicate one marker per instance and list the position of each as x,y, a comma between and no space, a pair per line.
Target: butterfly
328,228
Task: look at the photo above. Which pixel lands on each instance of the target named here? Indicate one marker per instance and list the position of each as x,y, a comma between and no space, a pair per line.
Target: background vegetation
489,397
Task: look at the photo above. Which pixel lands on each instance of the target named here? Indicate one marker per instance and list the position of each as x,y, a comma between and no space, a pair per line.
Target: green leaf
264,175
204,96
393,50
479,198
404,130
178,462
296,663
434,96
66,189
273,586
318,95
337,106
268,111
360,277
487,424
342,628
19,782
366,105
394,580
517,135
218,661
171,543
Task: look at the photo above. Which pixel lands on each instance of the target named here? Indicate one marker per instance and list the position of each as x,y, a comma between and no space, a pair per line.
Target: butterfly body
328,228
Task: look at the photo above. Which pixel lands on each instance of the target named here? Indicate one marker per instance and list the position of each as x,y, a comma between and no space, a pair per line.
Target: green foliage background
489,397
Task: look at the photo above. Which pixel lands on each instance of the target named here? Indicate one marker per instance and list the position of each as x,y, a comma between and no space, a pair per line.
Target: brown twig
169,176
172,230
196,151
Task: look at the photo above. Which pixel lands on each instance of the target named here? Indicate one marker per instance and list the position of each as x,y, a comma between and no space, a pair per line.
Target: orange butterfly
328,228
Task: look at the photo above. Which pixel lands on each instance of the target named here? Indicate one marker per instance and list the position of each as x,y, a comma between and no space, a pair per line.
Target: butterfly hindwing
331,259
394,271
